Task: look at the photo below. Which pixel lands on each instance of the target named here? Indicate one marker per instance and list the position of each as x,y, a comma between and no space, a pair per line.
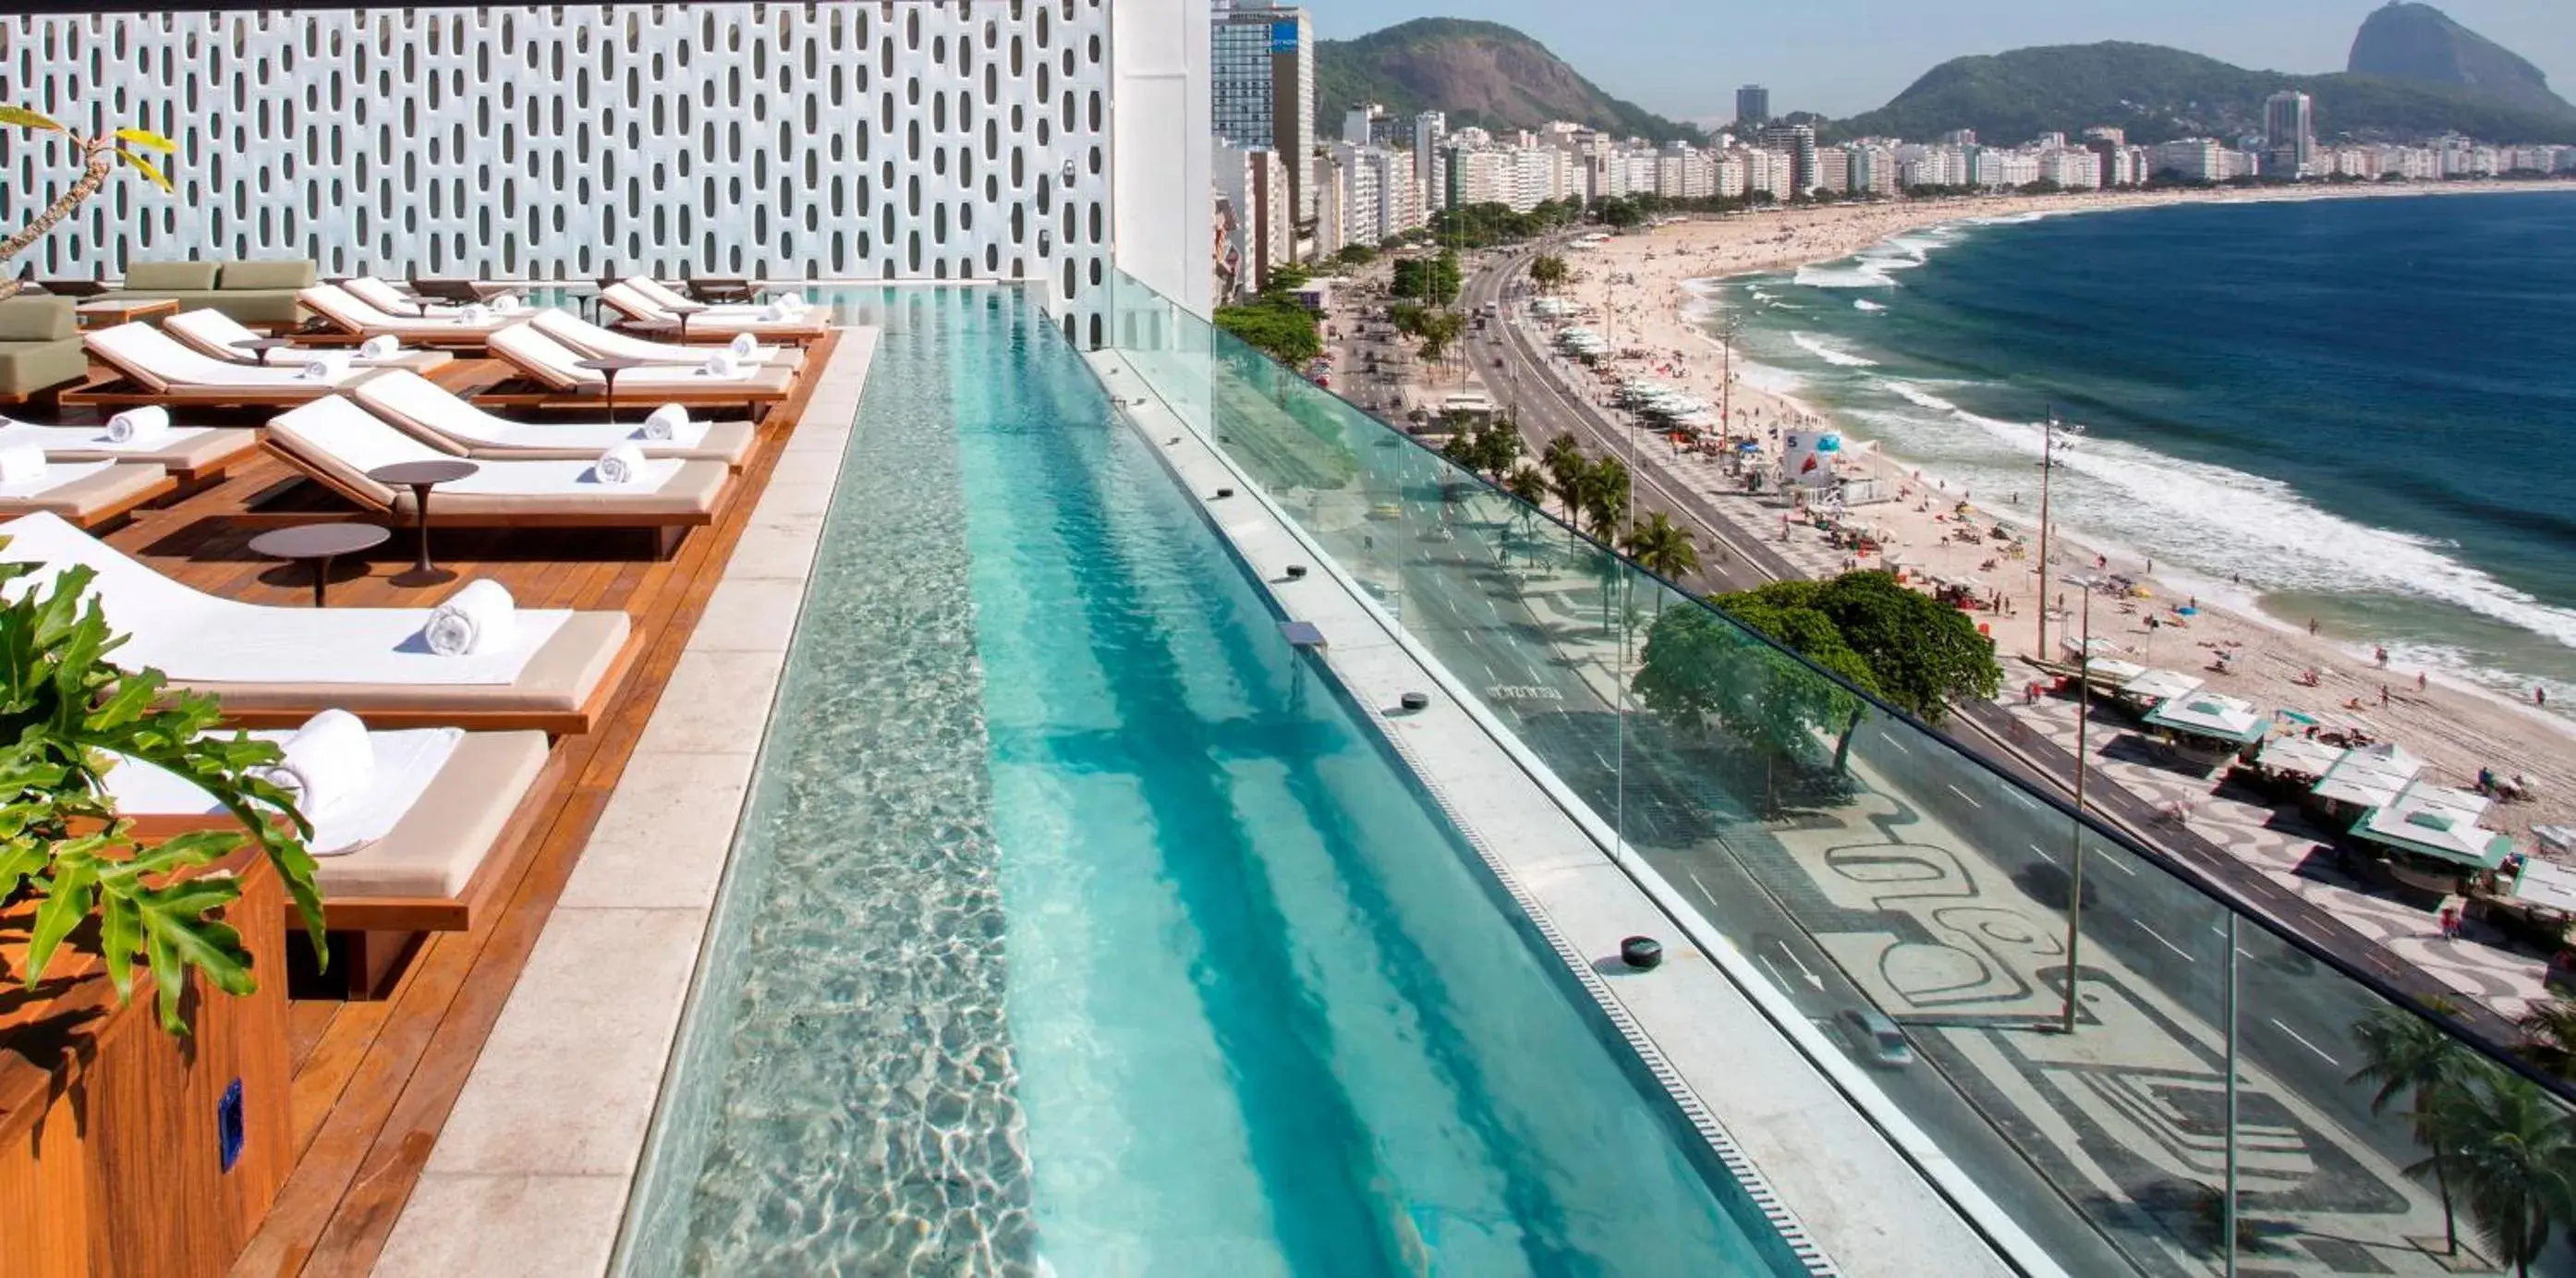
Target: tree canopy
1427,279
1919,653
1282,330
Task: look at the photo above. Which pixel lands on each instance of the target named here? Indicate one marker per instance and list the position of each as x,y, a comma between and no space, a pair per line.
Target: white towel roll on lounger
136,425
776,312
475,314
380,346
329,762
620,465
477,618
326,366
671,423
743,346
507,304
21,464
722,364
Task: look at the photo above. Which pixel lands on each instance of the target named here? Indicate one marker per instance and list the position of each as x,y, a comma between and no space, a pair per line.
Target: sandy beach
1636,288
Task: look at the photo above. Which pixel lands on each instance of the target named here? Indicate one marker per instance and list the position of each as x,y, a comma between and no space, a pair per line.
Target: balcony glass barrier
2218,1100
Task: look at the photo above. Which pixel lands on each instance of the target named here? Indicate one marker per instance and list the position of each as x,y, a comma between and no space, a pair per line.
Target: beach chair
557,370
715,324
665,296
437,417
85,494
341,312
443,820
590,339
336,442
188,453
277,667
393,299
152,368
221,336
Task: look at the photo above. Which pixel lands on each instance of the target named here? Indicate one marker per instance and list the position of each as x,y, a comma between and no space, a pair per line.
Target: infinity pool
1079,926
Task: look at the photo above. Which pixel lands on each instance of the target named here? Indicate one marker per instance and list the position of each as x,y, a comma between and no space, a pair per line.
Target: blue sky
1683,58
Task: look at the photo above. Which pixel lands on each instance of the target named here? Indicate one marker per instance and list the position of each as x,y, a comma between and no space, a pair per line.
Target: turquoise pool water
1081,927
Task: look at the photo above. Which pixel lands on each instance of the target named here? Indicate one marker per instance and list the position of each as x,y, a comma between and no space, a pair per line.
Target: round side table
420,477
320,543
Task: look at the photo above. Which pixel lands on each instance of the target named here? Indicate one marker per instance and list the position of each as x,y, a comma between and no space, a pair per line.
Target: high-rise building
1252,185
1798,142
1261,87
1752,106
2289,134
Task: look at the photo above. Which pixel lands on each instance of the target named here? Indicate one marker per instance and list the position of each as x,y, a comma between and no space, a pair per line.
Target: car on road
1874,1038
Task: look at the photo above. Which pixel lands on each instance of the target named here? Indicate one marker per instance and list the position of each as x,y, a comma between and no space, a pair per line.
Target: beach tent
2437,822
2551,887
2154,686
2298,757
2369,777
2212,716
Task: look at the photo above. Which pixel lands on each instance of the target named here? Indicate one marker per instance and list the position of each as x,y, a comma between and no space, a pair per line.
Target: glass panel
1910,902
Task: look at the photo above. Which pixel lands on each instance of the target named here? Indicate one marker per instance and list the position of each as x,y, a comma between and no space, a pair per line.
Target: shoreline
1667,275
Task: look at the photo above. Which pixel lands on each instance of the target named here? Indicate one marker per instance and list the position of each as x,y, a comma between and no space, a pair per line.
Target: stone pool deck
1705,1022
531,1171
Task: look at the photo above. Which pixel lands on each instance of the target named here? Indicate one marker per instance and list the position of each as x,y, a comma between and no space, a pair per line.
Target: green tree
1284,332
1566,467
1663,547
2407,1055
2513,1155
99,154
1921,653
2549,1035
1427,279
1499,448
1527,484
1548,272
67,715
1436,330
1354,256
1700,670
1605,498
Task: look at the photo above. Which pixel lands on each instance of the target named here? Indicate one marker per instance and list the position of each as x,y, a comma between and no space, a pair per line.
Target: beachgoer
2312,625
2540,696
2450,922
2381,656
2383,694
2419,681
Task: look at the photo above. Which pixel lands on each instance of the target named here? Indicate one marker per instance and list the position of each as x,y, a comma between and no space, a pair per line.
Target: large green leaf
147,139
26,119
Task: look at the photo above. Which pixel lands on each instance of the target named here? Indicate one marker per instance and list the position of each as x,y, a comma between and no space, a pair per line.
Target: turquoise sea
2364,409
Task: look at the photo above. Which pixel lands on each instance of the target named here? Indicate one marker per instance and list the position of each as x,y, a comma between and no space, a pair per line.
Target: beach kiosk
2209,728
2429,838
2153,688
2293,765
2363,779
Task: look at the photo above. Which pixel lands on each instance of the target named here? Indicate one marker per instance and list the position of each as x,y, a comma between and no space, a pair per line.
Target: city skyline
1694,75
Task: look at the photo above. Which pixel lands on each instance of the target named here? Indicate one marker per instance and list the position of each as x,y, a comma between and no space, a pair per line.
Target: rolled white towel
380,346
325,366
776,312
744,346
792,303
329,762
137,425
474,314
21,464
478,618
507,304
722,364
623,464
668,422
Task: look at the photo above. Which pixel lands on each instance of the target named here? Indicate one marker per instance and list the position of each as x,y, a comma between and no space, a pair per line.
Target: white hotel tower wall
868,141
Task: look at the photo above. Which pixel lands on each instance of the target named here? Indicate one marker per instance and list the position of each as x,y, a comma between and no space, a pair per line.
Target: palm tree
1605,498
1566,466
2410,1055
2549,1036
1663,547
1531,487
2513,1149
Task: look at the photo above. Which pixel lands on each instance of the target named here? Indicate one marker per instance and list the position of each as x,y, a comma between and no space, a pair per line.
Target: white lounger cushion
197,638
525,344
93,439
155,353
405,763
664,298
57,475
363,441
344,308
426,403
588,338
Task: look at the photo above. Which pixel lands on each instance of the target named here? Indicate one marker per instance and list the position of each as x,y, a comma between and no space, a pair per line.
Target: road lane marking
2043,854
1964,795
1890,738
2294,1034
1711,897
2160,940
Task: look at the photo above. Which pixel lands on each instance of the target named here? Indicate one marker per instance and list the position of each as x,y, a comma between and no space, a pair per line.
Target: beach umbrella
2298,716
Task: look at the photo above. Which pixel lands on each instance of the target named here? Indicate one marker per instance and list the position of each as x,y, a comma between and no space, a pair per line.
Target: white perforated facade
910,141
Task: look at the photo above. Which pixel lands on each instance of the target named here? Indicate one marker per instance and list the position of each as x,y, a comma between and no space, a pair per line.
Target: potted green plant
68,715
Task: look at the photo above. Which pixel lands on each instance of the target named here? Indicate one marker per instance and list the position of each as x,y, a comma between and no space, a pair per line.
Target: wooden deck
373,1081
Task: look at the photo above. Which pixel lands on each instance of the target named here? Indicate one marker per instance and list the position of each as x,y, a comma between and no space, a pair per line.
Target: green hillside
1481,73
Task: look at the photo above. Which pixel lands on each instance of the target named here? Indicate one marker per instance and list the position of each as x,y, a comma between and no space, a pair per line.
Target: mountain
2419,43
2159,94
1481,73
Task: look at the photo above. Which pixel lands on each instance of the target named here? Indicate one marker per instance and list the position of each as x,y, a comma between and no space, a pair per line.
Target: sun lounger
158,370
435,415
590,339
393,300
86,494
189,453
419,840
341,310
277,667
558,368
715,324
220,336
664,295
337,443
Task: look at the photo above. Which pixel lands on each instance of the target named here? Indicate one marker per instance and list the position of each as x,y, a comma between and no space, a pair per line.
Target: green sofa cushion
169,277
29,367
37,319
296,273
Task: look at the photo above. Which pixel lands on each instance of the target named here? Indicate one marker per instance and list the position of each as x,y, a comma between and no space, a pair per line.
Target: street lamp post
2075,836
2049,430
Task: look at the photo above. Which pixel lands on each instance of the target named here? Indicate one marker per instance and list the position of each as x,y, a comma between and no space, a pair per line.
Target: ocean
2361,412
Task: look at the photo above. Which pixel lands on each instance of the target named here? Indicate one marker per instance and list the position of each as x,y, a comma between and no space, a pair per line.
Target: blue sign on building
1283,37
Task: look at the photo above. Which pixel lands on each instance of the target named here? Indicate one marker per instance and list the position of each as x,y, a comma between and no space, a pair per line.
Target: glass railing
2215,1101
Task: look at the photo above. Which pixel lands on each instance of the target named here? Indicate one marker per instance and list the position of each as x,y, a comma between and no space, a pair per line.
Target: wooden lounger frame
168,484
120,390
668,530
551,722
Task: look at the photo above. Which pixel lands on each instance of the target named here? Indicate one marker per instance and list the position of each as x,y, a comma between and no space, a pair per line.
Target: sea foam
1816,346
